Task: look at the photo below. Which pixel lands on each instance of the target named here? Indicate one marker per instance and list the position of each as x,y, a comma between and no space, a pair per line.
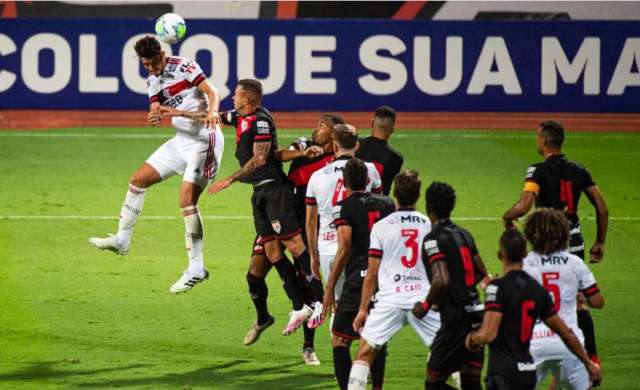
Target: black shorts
343,324
273,213
448,353
576,241
502,382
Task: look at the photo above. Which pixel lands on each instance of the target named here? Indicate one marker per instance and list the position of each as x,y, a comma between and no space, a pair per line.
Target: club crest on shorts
275,224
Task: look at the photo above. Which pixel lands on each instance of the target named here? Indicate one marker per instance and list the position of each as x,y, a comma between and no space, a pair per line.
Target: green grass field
74,317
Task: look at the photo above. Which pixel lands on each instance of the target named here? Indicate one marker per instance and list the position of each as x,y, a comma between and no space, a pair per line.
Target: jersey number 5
547,277
412,244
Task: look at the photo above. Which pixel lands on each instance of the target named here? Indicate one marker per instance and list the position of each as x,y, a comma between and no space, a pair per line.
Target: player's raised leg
195,272
258,270
143,178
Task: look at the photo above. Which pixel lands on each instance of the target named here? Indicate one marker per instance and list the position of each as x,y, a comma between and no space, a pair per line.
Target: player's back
563,275
521,300
395,239
455,245
326,189
386,159
560,183
177,87
360,211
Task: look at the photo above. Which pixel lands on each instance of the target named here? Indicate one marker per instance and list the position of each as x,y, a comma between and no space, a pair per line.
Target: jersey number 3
412,244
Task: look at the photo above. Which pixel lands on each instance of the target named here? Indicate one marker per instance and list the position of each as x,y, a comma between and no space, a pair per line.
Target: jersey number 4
339,193
412,244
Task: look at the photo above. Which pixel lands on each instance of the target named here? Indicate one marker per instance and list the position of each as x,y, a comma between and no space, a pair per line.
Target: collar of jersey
406,209
344,157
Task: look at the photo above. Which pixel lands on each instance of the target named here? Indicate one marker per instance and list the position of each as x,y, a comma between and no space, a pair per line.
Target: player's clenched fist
212,119
358,322
153,118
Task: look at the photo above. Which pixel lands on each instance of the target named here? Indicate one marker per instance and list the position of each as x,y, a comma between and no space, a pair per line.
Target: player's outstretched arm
369,286
342,255
571,341
437,291
260,152
602,219
487,333
285,155
522,207
213,96
170,111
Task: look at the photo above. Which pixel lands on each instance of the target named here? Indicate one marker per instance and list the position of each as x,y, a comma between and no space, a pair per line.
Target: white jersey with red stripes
325,189
177,87
563,275
396,240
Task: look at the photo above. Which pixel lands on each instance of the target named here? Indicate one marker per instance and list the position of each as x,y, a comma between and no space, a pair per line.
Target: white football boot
187,281
112,243
297,317
316,318
309,357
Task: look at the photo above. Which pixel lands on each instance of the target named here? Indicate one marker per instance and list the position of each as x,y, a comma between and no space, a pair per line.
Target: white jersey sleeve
375,183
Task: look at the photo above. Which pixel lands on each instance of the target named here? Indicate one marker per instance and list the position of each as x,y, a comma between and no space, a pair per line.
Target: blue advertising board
343,65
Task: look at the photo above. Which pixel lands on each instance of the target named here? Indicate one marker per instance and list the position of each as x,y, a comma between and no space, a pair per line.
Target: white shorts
571,373
326,264
385,320
197,158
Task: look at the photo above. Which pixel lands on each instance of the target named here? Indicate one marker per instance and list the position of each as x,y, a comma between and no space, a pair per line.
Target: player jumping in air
397,272
454,268
274,218
325,190
195,152
558,183
375,149
563,275
513,304
355,215
306,156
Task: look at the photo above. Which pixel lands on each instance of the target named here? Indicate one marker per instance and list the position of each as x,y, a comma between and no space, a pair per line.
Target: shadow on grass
46,370
229,375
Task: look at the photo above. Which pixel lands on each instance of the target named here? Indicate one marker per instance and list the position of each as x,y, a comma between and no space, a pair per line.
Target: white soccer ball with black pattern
171,28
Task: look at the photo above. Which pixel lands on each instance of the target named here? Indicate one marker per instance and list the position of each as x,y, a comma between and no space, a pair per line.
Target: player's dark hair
553,132
407,188
385,118
356,175
254,88
148,47
513,244
547,230
345,136
334,119
440,198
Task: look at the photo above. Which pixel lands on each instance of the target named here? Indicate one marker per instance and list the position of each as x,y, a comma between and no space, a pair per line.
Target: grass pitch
74,317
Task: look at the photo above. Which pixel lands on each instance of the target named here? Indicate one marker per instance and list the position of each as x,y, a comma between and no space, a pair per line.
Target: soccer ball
171,28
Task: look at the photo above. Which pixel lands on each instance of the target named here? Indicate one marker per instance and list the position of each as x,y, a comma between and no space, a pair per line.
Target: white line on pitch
425,134
228,217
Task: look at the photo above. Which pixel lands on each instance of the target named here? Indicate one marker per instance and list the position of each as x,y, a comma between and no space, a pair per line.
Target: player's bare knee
339,341
259,266
295,245
273,251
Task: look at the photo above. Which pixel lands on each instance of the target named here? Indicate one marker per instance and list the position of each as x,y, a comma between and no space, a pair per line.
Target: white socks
131,208
358,375
193,233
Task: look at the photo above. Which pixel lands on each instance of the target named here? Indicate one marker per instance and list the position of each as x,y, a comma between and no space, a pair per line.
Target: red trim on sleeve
375,253
199,78
436,257
154,99
262,138
493,306
341,222
377,190
591,291
310,201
